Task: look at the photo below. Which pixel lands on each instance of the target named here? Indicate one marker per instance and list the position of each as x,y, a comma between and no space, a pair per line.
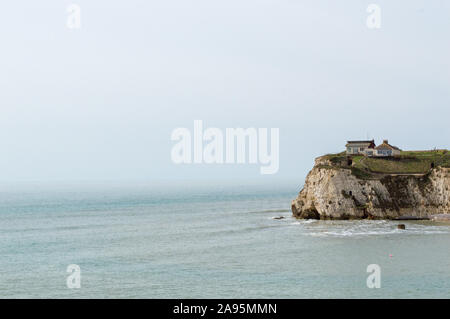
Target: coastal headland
411,185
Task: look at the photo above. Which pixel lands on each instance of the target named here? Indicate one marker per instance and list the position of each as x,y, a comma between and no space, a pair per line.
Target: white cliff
334,192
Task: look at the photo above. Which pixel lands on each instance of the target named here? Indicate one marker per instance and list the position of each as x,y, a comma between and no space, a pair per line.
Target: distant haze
100,102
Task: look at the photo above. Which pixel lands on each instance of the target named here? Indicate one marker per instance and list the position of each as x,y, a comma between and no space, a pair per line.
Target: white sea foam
309,221
375,230
320,228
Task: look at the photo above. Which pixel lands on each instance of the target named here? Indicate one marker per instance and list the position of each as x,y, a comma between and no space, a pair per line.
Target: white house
368,148
360,147
386,149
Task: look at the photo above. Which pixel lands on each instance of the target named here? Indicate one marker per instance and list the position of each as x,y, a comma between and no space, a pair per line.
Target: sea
206,241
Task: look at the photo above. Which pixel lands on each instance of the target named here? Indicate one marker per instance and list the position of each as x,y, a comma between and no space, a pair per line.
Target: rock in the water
401,226
279,217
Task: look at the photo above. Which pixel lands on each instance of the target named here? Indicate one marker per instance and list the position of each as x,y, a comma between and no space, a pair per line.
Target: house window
385,152
361,149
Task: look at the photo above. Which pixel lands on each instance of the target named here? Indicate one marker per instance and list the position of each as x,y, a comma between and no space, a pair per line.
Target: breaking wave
344,229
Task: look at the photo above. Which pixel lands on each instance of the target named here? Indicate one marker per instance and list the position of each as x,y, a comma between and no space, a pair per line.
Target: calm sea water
207,242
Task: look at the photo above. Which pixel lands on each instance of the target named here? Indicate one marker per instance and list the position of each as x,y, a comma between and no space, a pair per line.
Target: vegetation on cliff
412,185
408,162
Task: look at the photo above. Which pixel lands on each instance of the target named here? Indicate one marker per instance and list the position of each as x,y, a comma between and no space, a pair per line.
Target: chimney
385,141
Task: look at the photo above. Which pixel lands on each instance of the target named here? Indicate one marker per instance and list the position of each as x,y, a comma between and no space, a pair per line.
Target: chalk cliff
338,192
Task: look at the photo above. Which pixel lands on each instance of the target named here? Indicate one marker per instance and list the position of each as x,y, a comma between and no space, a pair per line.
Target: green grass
408,162
405,166
361,173
336,159
439,157
357,159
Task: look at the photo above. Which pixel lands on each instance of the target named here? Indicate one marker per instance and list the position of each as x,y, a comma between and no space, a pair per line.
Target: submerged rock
335,192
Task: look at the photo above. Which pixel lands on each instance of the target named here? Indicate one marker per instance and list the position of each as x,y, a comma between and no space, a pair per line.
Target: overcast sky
100,102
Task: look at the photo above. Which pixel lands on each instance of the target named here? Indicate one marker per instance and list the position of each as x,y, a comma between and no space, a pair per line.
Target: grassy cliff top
408,162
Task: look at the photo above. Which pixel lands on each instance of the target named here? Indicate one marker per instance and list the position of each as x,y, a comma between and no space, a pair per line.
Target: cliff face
335,193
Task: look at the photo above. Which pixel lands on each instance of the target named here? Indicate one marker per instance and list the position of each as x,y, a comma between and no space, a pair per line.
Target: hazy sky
100,102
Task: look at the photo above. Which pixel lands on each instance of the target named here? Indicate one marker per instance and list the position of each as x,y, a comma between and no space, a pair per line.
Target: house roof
360,142
369,144
385,145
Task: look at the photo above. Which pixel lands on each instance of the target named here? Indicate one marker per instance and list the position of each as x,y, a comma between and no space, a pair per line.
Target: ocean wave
369,228
373,233
310,221
281,210
241,230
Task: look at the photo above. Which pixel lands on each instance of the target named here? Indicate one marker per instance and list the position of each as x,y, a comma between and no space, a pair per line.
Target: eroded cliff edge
334,190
